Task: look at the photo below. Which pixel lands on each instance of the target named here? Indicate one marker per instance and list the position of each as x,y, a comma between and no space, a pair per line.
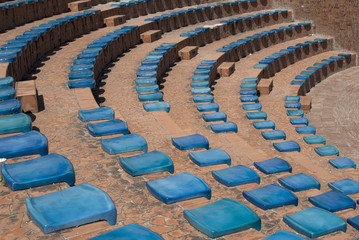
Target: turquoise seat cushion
7,92
292,105
224,127
213,117
83,67
333,201
131,231
156,106
284,235
316,139
292,113
125,143
327,150
252,106
264,124
288,146
222,217
250,80
200,84
273,135
81,83
81,74
204,90
179,187
346,186
207,107
203,98
200,78
14,123
210,157
146,81
146,74
71,207
306,130
11,106
292,98
236,175
248,92
299,182
156,96
252,86
249,98
191,142
147,88
354,222
315,222
23,144
256,115
270,196
146,163
95,114
7,81
273,165
342,163
40,171
109,127
299,121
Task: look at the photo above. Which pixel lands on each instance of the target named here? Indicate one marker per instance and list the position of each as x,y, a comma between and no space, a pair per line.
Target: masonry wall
338,18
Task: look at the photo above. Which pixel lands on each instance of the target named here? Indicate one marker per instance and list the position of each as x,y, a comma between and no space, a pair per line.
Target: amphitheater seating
333,201
236,175
341,163
15,123
327,150
191,142
110,127
103,113
354,222
273,165
273,135
224,127
125,143
213,156
288,146
346,186
299,182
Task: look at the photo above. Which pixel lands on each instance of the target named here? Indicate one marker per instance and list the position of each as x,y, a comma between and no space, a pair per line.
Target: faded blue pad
131,231
125,143
292,113
270,196
71,207
333,201
7,81
264,124
273,135
146,163
191,142
306,130
261,66
327,150
146,81
101,113
15,123
23,144
248,92
297,82
7,92
224,127
207,107
146,74
273,165
83,67
346,186
292,105
144,97
156,106
346,55
354,222
40,171
210,157
316,139
200,84
299,121
252,106
222,217
11,106
203,98
284,235
342,163
205,90
256,115
250,80
110,127
236,175
179,187
315,222
147,88
147,67
288,146
201,72
204,67
299,182
81,74
200,77
249,98
81,83
213,117
252,86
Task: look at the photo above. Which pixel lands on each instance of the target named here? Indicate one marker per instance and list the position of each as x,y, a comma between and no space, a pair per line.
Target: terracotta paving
68,136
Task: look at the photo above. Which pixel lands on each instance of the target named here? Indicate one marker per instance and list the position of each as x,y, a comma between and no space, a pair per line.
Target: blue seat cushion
270,196
200,78
36,172
210,157
252,106
131,231
11,106
256,115
299,121
316,139
273,135
284,235
7,92
224,127
249,99
333,201
101,113
14,123
146,81
306,130
292,105
273,165
250,80
248,92
191,142
292,113
342,163
7,81
23,144
203,98
179,187
299,182
213,117
125,143
204,90
146,163
71,207
327,150
156,96
156,106
207,107
146,74
147,88
109,127
81,83
251,86
81,74
236,175
200,84
354,222
315,222
346,186
222,217
288,146
264,124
